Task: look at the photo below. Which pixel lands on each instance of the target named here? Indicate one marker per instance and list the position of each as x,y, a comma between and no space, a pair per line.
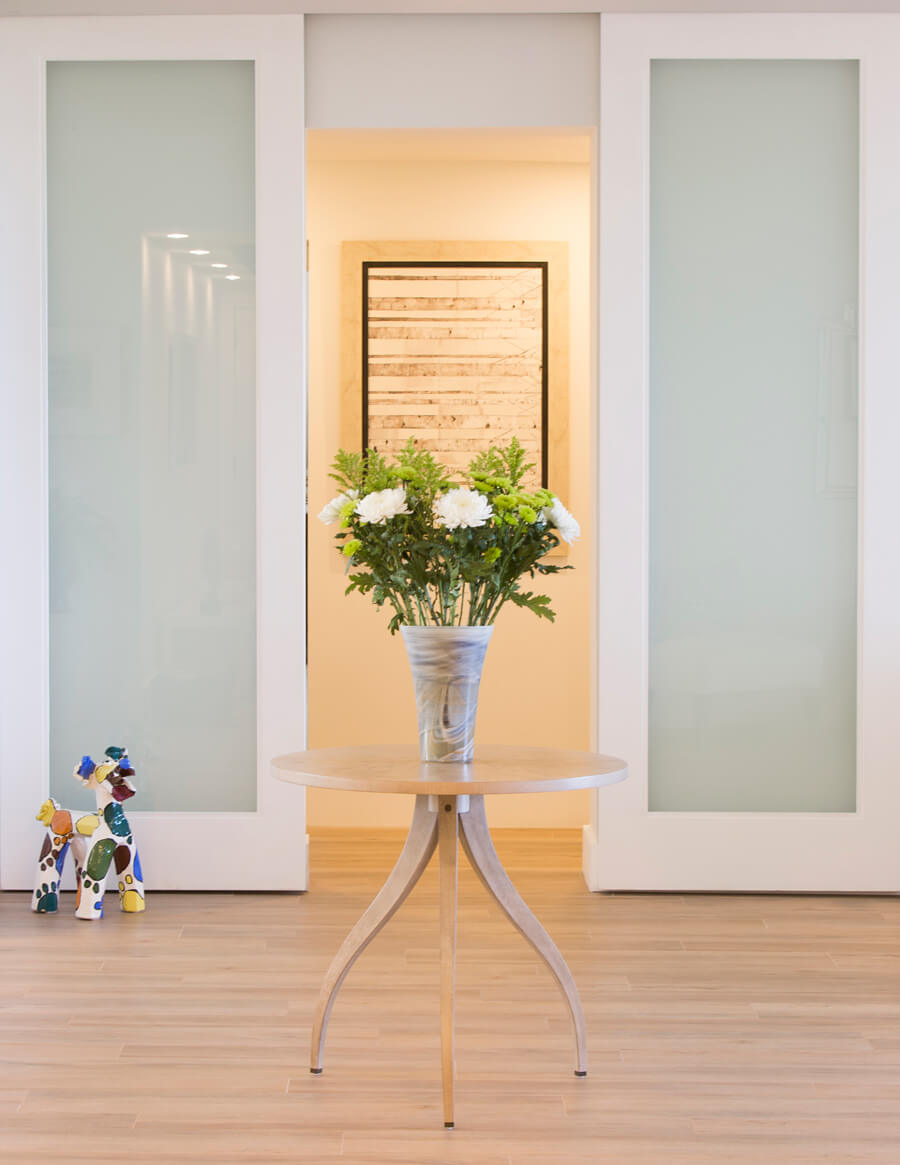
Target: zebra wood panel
454,357
459,345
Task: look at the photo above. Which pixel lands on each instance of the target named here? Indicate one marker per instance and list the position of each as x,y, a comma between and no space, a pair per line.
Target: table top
391,768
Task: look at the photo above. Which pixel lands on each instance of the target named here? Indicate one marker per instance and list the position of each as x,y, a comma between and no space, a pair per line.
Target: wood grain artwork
460,345
455,356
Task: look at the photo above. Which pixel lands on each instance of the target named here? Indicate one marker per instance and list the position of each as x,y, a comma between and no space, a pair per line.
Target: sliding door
155,439
748,636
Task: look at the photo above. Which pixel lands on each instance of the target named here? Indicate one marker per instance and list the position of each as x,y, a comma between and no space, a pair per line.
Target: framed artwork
459,345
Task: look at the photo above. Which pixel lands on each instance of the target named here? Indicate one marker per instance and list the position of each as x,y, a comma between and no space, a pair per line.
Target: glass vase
446,665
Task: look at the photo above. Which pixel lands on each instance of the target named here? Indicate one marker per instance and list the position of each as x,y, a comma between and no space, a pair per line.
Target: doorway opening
495,189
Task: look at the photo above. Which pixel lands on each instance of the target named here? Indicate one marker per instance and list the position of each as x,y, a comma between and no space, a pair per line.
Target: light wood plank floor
750,1029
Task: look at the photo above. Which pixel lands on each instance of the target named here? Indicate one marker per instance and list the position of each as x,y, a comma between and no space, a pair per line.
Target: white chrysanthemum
462,508
566,526
332,512
382,504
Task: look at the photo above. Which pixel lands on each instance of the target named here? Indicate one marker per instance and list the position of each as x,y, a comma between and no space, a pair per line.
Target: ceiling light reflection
198,252
177,235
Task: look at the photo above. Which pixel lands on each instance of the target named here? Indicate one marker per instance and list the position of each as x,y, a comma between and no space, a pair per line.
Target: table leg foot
449,1125
417,850
476,841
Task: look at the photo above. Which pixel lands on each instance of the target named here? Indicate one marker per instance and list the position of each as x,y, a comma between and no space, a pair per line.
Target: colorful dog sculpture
98,840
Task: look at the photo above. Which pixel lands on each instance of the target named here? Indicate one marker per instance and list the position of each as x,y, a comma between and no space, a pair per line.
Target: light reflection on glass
153,428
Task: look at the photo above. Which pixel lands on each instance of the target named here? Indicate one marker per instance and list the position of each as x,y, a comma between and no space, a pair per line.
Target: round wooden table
449,808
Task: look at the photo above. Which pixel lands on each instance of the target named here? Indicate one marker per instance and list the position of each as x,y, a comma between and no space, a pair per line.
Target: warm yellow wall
535,688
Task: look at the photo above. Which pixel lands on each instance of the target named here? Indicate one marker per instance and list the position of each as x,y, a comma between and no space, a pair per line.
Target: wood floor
751,1029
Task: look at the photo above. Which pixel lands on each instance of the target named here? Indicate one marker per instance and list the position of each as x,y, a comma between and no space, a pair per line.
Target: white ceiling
211,7
449,145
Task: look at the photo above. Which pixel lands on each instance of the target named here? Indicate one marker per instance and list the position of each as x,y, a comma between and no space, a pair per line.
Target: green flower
492,554
527,514
504,502
405,473
351,547
347,511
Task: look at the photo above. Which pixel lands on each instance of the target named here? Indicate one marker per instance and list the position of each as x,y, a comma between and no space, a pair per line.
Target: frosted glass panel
152,427
753,435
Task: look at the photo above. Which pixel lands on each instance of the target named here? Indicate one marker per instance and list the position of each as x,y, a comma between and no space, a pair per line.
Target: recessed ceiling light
218,264
198,252
176,235
232,276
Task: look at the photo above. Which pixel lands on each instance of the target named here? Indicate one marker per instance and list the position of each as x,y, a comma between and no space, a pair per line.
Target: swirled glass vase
446,665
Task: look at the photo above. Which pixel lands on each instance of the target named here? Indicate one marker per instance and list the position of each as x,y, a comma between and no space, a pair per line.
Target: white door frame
252,851
626,846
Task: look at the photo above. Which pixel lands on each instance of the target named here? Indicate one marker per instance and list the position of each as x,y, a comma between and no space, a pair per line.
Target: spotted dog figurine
98,840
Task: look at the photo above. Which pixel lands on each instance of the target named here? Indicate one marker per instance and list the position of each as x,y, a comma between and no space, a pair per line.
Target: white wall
385,72
536,686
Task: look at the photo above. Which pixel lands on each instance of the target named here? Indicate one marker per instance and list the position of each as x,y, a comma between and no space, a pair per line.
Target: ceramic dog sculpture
98,840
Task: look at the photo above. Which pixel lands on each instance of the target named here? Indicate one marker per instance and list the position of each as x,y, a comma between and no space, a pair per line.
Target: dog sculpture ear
85,770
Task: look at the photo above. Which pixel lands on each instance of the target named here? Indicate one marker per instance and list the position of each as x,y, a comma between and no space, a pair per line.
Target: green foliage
501,468
425,474
347,470
428,574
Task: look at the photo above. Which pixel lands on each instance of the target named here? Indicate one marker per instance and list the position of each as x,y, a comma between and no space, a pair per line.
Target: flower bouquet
446,556
439,552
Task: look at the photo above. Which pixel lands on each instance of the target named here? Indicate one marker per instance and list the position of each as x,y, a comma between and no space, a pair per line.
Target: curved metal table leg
476,841
417,850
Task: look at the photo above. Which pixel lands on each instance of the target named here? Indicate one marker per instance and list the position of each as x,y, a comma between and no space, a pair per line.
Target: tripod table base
438,822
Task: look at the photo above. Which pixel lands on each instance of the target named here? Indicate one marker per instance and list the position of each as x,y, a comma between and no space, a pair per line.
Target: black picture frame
543,265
